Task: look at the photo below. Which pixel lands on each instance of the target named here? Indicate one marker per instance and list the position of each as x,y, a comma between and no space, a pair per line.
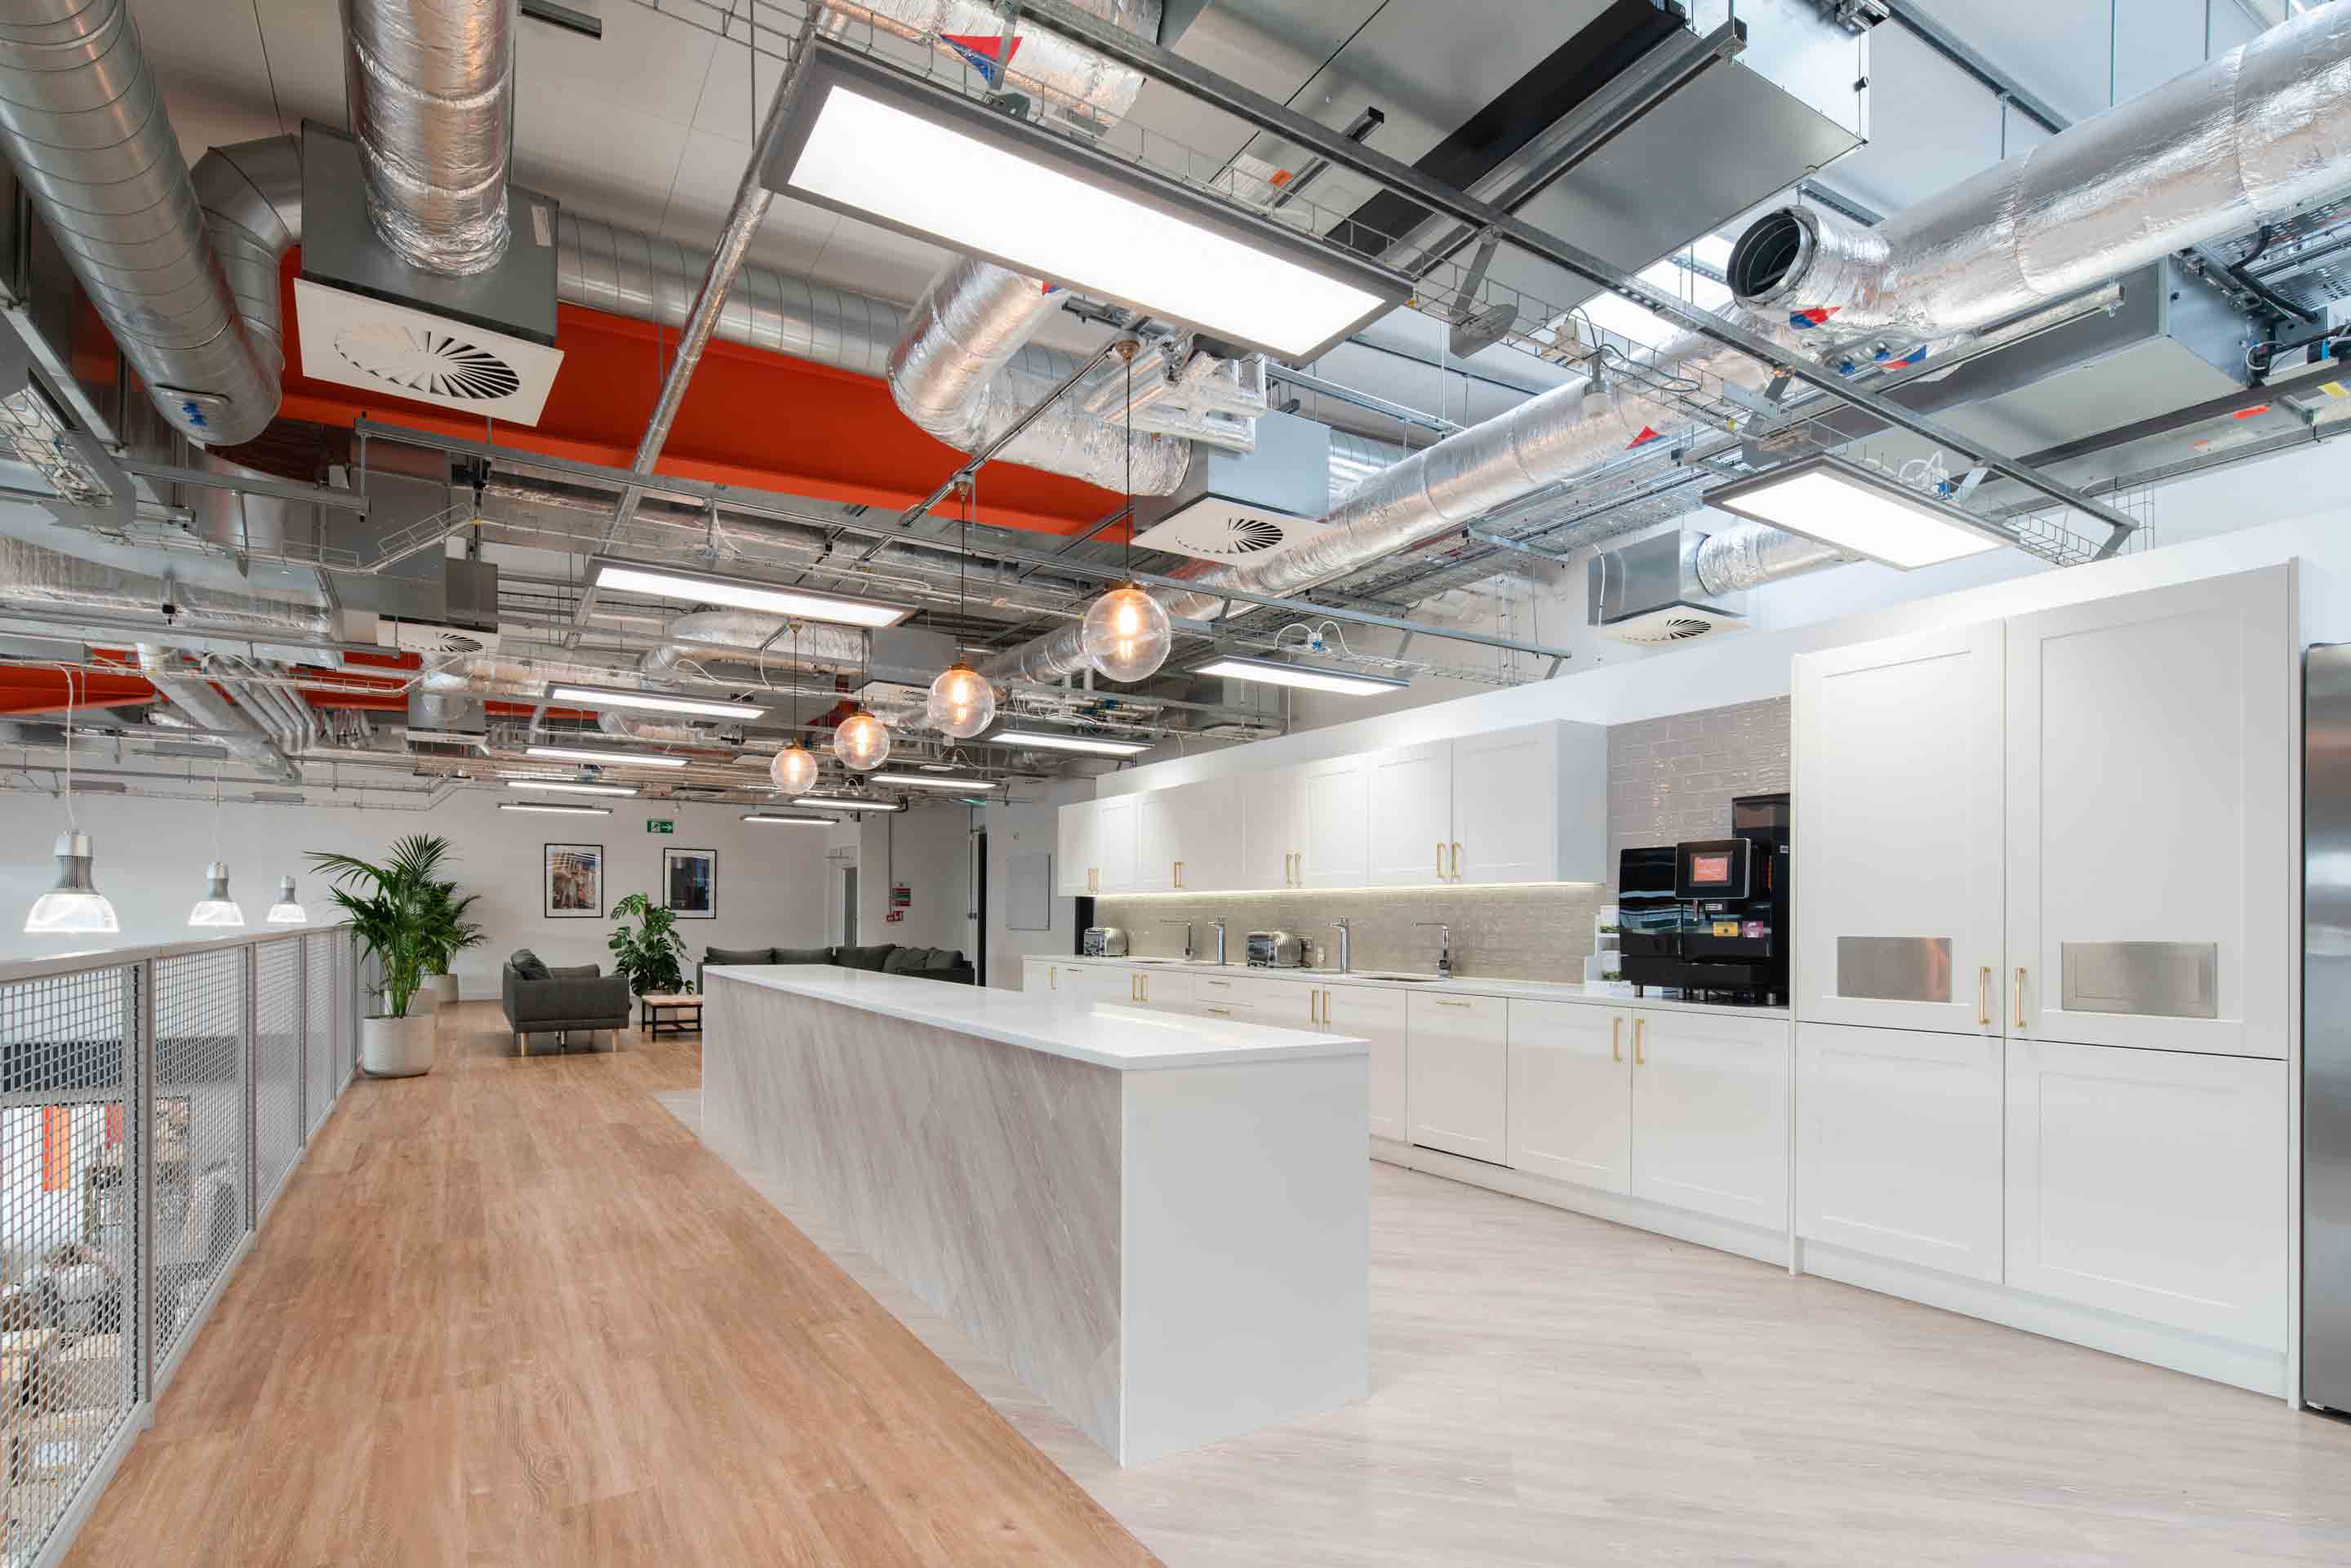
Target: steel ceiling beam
248,484
1221,92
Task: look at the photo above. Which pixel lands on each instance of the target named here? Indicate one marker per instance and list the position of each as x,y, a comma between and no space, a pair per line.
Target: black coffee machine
1711,916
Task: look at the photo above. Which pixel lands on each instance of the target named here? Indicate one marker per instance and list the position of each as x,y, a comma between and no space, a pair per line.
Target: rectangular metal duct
1647,594
1245,505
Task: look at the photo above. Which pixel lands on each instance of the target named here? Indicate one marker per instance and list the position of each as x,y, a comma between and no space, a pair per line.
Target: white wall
929,849
151,855
1024,827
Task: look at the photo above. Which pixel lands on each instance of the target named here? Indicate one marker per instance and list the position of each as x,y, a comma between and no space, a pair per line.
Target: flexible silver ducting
430,88
1749,555
31,575
950,373
749,631
2251,134
232,724
1083,89
82,120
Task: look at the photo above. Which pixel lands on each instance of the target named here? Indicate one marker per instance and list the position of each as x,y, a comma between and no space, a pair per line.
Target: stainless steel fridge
2327,1028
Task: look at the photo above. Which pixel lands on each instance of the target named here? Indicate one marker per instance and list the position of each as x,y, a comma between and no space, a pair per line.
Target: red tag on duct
979,51
1647,436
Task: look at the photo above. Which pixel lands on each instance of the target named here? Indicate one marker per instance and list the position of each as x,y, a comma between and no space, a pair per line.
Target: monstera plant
650,952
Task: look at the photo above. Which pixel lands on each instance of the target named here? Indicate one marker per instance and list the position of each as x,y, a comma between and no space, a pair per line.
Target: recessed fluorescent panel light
1275,672
861,138
794,821
1050,740
652,702
740,593
625,758
933,781
551,806
848,803
562,787
1842,503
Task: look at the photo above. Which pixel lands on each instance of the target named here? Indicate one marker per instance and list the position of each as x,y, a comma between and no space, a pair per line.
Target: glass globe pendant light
1125,633
217,907
961,704
286,911
862,742
74,906
793,770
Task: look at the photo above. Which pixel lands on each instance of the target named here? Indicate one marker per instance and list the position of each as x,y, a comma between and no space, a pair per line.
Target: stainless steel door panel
2155,979
1894,968
2327,1029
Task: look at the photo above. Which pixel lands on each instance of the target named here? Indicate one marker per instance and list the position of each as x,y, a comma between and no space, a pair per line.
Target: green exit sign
660,825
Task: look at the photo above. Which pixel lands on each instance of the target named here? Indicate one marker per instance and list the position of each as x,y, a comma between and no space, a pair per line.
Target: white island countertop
1129,1038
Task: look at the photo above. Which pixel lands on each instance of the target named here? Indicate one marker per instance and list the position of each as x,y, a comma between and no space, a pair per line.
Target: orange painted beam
38,689
750,418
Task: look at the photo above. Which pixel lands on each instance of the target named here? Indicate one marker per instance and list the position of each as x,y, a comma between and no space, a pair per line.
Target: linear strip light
1276,672
653,701
553,809
1050,740
849,804
623,759
794,821
744,593
932,782
565,787
861,139
1837,502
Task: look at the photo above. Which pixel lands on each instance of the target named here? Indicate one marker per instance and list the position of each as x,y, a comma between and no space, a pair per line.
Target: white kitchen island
1159,1223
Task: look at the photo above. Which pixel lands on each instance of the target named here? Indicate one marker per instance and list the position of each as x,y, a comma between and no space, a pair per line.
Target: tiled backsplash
1674,779
1668,780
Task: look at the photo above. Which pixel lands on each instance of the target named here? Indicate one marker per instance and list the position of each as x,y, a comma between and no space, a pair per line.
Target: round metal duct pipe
430,85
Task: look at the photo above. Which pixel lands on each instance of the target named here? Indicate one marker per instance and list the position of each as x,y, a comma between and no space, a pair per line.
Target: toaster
1103,942
1274,950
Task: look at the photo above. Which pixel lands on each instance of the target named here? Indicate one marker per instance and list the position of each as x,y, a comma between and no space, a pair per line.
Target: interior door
1898,780
1570,1101
1898,1144
1410,791
1114,844
2151,1182
1710,1114
1273,829
2151,741
1506,807
1336,848
1381,1017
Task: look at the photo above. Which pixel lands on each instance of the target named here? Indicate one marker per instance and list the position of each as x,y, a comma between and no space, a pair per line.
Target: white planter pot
443,989
396,1048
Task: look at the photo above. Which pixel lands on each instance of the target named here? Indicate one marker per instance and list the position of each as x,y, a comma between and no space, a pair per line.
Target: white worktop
1460,985
1130,1038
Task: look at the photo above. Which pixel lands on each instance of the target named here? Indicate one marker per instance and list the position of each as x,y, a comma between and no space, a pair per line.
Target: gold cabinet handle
1143,987
1179,874
1220,1012
1441,1002
1983,996
1440,860
1616,1040
2020,995
1053,976
1224,983
1638,1060
1314,1006
1457,863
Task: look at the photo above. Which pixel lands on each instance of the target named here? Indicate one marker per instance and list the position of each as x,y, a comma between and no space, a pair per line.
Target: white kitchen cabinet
1077,982
1710,1114
1457,1082
1530,804
1158,839
1897,779
2150,869
1187,837
1114,844
1162,990
1898,1144
1272,828
1334,849
1384,1018
2151,1182
1410,791
1571,1092
1078,846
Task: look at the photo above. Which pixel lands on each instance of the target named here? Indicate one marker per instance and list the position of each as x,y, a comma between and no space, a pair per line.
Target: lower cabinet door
1096,983
1710,1114
1458,1083
1570,1101
2152,1183
1163,990
1380,1016
1898,1144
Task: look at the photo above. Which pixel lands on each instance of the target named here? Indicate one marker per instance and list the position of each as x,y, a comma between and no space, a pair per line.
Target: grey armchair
540,1000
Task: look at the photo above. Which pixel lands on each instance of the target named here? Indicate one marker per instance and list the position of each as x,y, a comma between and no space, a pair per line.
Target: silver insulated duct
430,87
749,630
1079,87
83,122
31,575
2257,132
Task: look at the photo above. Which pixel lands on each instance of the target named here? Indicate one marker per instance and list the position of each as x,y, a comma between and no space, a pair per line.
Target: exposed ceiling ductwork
233,725
431,88
30,575
1084,90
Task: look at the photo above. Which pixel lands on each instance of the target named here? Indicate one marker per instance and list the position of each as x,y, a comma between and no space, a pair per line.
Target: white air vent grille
1672,623
432,637
1213,528
354,340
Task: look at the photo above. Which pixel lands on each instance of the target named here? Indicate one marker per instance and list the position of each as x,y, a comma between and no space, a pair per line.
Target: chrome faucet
1187,935
1346,946
1443,948
1218,924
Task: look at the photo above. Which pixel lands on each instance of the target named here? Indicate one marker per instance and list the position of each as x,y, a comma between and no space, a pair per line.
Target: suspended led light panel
745,593
1277,673
1853,508
861,138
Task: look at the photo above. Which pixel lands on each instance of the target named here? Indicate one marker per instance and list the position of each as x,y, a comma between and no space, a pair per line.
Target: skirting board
2198,1355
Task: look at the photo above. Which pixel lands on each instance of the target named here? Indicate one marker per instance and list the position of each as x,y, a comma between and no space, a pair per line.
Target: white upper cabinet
1411,794
2150,875
1188,838
1158,839
1114,844
1272,828
1896,779
1335,850
1530,805
1079,843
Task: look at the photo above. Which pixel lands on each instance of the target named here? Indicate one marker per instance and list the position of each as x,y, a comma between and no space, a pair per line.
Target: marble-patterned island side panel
984,1177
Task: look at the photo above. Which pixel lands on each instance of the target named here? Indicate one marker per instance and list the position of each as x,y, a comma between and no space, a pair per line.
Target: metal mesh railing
347,1014
320,1083
199,1132
278,1065
68,1239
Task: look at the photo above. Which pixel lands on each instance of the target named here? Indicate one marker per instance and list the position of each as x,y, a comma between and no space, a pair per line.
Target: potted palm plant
651,953
393,910
448,933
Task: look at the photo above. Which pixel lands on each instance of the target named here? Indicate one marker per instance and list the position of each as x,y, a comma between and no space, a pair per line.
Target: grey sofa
886,958
543,1000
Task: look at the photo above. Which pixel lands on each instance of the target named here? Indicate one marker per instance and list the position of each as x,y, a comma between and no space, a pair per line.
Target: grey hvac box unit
1246,506
1647,594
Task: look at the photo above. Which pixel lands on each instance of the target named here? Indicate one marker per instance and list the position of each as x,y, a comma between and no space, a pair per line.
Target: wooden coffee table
653,1005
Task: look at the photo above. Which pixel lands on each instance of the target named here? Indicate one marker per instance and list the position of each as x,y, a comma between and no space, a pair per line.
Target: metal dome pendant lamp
863,741
961,704
1125,634
793,770
217,907
74,906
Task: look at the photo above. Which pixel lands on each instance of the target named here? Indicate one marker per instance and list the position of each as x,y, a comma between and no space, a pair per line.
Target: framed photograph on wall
574,879
690,884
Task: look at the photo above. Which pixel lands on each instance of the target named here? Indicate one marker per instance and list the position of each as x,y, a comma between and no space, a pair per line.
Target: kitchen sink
1155,960
1392,975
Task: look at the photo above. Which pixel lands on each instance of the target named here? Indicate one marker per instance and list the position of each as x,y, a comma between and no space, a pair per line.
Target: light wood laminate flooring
512,1313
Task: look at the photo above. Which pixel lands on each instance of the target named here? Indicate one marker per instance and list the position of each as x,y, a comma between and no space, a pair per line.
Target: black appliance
1711,917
